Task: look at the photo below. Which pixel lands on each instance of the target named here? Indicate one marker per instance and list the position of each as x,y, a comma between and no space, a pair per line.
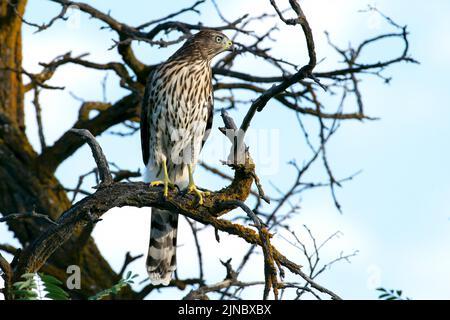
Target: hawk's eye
219,39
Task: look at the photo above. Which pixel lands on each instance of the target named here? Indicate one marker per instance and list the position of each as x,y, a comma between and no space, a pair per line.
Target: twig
9,249
174,283
229,281
43,26
303,73
27,215
97,152
271,281
128,260
261,192
197,245
37,107
172,15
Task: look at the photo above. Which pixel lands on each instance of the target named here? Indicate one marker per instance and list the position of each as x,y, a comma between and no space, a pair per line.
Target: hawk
177,113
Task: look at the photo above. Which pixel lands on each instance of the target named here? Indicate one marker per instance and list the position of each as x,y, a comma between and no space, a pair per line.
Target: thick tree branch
139,194
7,276
68,143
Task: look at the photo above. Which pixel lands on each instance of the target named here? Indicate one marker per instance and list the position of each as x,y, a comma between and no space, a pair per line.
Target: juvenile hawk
177,114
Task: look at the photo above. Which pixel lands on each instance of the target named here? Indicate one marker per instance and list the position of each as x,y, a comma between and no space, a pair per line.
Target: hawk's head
208,43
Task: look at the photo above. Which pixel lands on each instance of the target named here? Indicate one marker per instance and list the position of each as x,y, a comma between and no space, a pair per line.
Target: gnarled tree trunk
25,184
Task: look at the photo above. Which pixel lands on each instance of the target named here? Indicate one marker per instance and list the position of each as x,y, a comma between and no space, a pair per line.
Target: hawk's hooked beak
229,46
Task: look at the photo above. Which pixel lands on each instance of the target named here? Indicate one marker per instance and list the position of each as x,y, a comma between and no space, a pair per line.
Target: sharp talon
199,194
166,186
200,198
193,189
172,186
156,183
166,183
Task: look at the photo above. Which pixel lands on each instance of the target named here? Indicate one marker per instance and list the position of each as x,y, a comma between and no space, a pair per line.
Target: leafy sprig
116,288
389,294
43,286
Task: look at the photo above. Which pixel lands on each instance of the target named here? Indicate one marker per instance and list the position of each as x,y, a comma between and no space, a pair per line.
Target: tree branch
100,159
68,143
7,276
304,72
32,214
139,194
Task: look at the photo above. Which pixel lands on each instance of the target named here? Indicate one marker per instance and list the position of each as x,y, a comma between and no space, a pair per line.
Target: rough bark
11,89
27,184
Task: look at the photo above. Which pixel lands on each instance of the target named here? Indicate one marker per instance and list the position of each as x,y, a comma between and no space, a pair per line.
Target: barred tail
161,259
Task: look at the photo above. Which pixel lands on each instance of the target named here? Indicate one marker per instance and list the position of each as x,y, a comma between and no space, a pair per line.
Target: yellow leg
165,182
193,189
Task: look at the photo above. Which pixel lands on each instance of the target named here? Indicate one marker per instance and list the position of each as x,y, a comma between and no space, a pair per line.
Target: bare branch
197,245
271,281
173,15
229,281
97,152
303,73
9,249
27,215
128,260
68,143
37,107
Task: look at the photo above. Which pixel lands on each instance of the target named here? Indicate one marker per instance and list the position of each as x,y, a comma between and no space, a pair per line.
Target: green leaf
52,287
25,295
18,283
116,288
50,279
27,285
99,296
55,290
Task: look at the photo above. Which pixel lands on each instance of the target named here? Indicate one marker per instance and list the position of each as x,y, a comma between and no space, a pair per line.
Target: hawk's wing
209,120
147,105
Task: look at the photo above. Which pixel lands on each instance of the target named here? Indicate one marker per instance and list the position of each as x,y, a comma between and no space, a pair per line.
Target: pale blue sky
396,212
